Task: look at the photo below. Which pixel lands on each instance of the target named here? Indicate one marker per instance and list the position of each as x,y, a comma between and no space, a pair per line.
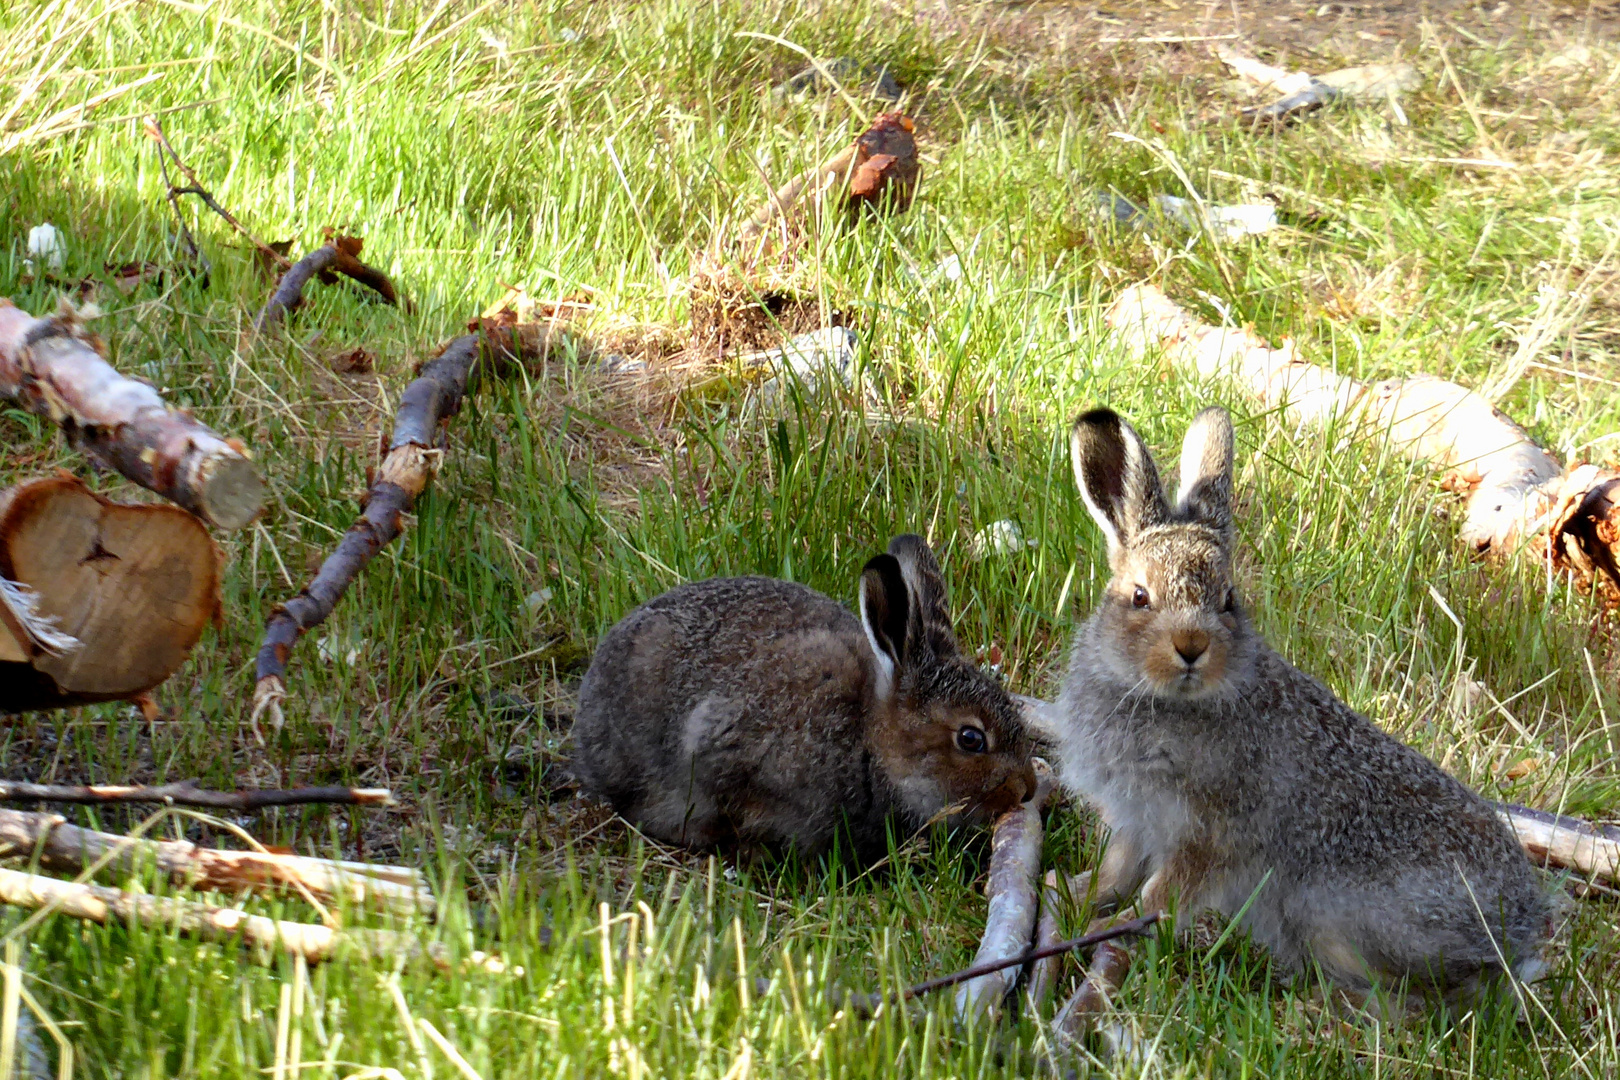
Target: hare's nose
1190,645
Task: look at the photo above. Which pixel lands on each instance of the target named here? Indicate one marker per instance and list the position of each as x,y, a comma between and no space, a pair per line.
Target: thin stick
155,131
1134,926
1043,973
187,793
96,903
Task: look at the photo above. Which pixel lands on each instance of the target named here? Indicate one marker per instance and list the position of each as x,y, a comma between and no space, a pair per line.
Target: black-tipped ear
885,613
1115,474
1205,491
930,605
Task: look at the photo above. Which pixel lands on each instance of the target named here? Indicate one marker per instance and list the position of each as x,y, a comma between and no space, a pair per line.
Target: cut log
266,936
339,255
53,367
67,848
412,459
132,587
1520,498
880,169
187,793
1015,873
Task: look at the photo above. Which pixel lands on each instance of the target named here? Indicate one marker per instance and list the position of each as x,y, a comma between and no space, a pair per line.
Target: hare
1228,777
757,713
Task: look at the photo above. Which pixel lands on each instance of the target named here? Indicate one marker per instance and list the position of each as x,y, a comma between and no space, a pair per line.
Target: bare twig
187,793
1043,973
67,848
1094,996
267,936
54,368
155,131
1556,840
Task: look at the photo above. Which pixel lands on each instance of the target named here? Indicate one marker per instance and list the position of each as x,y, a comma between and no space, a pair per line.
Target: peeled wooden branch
879,168
1043,973
339,255
53,367
1104,976
1517,492
1015,870
99,904
404,474
1556,840
69,849
99,601
187,793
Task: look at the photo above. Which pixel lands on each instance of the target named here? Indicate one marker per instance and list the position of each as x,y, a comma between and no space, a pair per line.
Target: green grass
476,153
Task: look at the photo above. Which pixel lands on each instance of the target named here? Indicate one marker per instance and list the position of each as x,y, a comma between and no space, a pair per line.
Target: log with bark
1015,872
99,601
1521,499
339,255
1105,974
1043,973
187,793
878,170
67,848
266,936
53,367
413,457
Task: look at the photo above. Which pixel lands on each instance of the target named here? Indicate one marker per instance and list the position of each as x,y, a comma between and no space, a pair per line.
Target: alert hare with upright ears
1229,777
759,713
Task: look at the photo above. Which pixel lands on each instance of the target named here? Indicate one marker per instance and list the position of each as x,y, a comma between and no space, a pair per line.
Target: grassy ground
590,150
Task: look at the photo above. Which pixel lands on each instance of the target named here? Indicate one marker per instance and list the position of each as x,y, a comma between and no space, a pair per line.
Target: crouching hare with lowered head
755,712
1225,773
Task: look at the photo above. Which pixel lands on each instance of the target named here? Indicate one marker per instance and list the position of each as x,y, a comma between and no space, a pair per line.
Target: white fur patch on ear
1206,451
885,662
1096,511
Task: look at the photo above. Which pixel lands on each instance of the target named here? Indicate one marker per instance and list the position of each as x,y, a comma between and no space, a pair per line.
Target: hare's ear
885,614
1116,477
930,607
1205,493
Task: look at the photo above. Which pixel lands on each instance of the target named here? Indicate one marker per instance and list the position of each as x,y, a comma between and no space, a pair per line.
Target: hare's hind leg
1124,866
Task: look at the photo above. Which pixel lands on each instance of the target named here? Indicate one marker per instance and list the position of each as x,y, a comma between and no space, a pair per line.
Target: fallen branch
412,459
187,793
1566,842
70,849
1104,976
1015,870
99,601
339,255
1043,973
880,168
99,904
53,367
1517,490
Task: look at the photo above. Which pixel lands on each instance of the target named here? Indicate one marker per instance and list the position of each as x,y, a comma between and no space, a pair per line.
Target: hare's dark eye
1139,598
1230,605
970,740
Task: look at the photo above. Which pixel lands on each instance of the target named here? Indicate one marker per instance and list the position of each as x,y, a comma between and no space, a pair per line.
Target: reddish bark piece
53,367
339,255
880,168
886,165
132,586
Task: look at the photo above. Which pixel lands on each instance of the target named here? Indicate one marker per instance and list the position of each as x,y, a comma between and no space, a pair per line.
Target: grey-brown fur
754,711
1213,772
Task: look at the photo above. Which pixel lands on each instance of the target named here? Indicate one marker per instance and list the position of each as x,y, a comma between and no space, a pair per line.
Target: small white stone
46,242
